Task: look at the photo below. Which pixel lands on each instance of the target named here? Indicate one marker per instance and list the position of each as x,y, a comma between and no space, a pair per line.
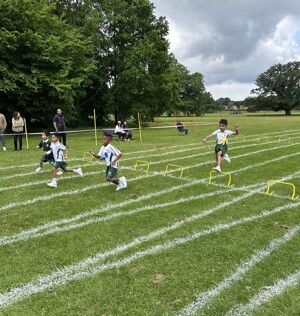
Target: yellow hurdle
176,166
289,140
142,162
263,138
285,183
86,154
228,173
240,136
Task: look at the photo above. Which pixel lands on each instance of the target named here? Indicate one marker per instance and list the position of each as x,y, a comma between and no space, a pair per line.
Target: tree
190,88
44,61
278,88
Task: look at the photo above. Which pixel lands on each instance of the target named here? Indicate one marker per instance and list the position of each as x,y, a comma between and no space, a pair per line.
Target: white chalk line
53,227
142,157
265,295
60,194
94,212
93,265
258,256
186,167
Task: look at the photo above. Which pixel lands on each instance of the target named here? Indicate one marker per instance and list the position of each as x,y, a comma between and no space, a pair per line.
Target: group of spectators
18,128
122,130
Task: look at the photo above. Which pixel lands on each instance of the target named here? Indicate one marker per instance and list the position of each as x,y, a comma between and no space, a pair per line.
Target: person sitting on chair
128,134
180,127
119,131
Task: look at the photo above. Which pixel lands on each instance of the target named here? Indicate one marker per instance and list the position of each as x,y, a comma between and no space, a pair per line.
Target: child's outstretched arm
236,128
91,150
207,137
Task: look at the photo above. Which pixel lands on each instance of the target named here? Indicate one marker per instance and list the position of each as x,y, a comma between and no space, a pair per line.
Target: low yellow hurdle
142,162
176,166
263,138
240,136
228,173
285,183
87,153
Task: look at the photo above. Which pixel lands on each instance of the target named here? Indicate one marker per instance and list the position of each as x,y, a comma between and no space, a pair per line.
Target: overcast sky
231,42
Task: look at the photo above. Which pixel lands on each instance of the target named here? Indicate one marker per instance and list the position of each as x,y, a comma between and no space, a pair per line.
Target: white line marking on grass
258,256
265,295
186,167
93,265
61,178
93,187
53,227
37,173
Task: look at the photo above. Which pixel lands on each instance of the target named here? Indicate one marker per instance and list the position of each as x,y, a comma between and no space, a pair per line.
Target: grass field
165,245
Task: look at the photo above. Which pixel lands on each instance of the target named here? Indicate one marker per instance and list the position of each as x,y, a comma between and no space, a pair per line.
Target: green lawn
166,245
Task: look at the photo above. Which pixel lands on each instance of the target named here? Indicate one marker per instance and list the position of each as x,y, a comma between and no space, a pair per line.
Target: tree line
108,55
80,55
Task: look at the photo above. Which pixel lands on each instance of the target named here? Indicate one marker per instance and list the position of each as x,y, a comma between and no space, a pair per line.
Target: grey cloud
231,30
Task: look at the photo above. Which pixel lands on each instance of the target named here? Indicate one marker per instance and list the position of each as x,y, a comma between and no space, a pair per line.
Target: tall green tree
136,59
44,62
131,53
190,89
278,88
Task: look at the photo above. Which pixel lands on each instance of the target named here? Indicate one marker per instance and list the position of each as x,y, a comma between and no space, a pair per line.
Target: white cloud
232,42
234,90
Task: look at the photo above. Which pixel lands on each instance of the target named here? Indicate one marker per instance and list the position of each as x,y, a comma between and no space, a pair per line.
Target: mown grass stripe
266,295
258,256
93,265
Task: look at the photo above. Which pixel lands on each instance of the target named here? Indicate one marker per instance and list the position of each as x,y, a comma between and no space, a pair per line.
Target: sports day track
170,194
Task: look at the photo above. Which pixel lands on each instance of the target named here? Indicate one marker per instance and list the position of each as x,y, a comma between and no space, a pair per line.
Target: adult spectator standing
17,128
3,125
60,126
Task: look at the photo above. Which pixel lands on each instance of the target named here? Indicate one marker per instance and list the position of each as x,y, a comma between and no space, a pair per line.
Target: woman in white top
120,131
17,127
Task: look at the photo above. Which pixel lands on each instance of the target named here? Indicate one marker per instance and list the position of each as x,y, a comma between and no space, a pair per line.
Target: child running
57,149
45,143
111,155
221,142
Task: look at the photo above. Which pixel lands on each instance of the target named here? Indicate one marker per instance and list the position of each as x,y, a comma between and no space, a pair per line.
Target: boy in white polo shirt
222,135
111,155
57,149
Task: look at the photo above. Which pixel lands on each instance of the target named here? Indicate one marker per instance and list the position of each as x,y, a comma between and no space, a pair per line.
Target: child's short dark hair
56,135
108,135
46,132
223,121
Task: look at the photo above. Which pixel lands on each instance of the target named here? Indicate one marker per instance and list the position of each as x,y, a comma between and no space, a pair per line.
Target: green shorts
111,172
221,148
60,164
46,159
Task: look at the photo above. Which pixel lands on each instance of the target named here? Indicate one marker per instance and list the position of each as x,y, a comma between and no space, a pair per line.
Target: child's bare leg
54,172
113,180
219,158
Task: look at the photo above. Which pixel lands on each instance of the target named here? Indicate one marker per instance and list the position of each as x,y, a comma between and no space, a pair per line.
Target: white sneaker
52,184
59,173
227,158
4,148
217,168
79,171
39,169
123,182
119,187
